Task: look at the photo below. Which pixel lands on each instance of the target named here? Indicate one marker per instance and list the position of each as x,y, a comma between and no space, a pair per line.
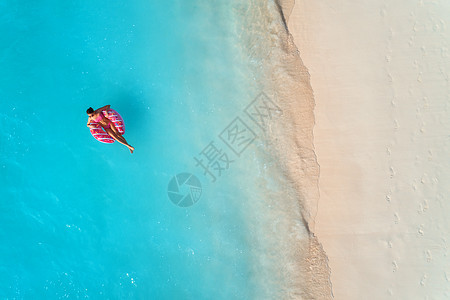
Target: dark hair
90,110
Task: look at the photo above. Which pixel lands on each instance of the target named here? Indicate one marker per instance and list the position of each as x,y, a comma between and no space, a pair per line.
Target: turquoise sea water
85,219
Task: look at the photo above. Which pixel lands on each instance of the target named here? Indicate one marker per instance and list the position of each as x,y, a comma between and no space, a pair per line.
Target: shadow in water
133,108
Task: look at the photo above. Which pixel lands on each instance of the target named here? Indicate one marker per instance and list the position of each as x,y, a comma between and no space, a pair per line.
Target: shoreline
295,263
289,82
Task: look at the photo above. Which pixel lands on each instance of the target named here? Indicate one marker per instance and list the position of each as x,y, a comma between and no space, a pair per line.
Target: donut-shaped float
97,130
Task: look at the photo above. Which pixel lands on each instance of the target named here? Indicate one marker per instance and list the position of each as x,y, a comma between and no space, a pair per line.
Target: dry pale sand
380,72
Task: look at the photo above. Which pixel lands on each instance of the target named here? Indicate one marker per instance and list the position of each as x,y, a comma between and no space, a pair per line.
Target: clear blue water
84,219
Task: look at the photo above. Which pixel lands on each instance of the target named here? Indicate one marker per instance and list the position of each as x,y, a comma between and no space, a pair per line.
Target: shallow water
85,219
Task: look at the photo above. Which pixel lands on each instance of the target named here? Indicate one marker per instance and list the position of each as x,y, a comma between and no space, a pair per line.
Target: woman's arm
102,108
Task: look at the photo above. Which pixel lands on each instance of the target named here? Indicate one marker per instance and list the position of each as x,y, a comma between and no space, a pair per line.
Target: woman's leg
117,133
119,138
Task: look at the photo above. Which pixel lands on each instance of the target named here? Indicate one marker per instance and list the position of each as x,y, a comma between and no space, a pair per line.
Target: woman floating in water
97,116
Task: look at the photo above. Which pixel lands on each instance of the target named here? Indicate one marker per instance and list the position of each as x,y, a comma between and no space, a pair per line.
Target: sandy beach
380,75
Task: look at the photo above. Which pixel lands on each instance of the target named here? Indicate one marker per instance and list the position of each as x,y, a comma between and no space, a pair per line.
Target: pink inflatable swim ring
97,130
